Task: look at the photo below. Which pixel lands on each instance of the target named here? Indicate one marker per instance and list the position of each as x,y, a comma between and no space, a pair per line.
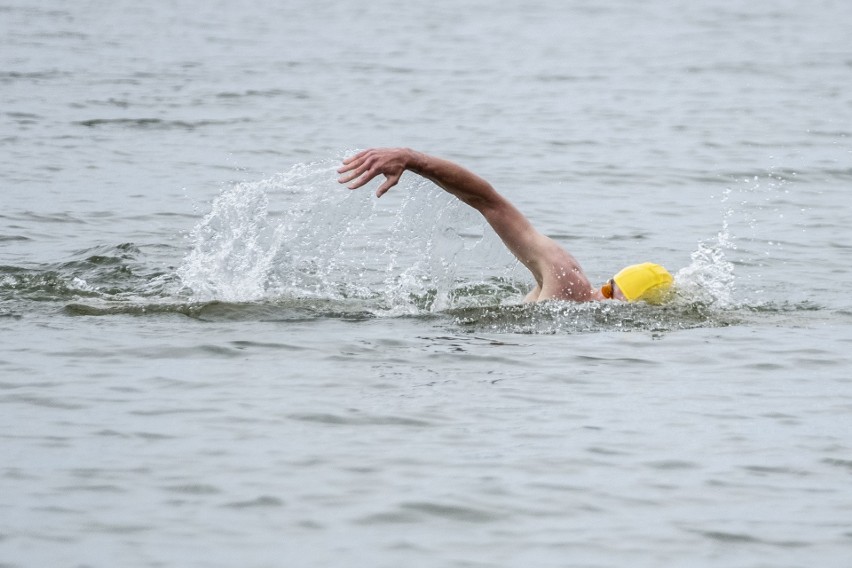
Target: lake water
211,354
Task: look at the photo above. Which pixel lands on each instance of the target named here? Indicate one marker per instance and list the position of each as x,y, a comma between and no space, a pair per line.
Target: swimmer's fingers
355,166
355,162
361,174
361,168
391,181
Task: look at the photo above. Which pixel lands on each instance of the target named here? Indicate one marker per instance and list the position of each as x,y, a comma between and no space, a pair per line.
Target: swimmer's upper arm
556,271
517,233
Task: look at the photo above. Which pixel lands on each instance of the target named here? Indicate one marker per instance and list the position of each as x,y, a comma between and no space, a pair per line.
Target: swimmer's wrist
415,161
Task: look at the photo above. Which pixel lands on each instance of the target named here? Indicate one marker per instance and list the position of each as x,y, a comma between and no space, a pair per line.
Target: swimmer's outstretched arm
557,273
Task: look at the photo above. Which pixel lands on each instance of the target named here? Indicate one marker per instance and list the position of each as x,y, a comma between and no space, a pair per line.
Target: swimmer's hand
360,169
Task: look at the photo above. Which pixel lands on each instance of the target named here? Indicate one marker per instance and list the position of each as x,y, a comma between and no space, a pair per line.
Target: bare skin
557,273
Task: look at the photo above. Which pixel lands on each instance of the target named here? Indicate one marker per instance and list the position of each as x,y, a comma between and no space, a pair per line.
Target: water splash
328,243
234,246
753,208
709,278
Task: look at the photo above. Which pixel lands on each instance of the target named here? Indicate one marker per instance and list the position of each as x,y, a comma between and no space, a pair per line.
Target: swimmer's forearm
451,177
508,222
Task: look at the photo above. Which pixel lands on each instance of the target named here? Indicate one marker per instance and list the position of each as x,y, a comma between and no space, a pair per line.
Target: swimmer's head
647,282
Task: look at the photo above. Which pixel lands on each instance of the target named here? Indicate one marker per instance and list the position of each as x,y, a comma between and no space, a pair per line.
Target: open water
211,354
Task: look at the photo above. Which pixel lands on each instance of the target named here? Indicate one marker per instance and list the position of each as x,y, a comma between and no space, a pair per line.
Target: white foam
402,254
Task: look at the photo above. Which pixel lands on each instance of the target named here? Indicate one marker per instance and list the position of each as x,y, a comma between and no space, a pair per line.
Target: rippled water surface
213,355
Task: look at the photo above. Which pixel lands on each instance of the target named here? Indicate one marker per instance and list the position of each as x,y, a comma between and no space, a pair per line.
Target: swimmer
557,273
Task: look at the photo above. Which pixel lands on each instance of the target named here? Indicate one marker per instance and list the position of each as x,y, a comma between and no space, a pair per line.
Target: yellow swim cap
647,281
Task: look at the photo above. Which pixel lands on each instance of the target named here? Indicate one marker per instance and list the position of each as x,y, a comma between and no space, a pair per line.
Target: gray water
213,355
